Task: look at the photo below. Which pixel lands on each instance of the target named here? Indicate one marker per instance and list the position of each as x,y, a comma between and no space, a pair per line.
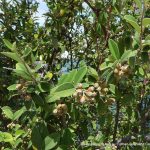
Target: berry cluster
121,71
22,87
101,87
60,110
84,95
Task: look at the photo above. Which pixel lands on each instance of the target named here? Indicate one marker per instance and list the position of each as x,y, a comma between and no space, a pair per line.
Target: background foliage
78,81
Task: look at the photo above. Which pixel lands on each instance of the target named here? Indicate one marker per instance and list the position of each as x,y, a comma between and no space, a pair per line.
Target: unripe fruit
79,86
96,85
88,93
60,110
116,71
27,97
125,68
62,12
75,95
82,99
55,111
99,88
79,91
105,89
59,106
121,73
64,106
91,88
118,66
94,94
19,86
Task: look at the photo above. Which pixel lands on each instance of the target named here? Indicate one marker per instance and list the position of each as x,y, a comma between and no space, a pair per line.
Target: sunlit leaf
130,19
113,47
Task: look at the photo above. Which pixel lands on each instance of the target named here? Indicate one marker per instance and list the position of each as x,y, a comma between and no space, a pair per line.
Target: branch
116,121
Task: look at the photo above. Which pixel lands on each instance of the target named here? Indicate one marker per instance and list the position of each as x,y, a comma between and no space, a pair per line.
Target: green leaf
106,65
139,4
22,74
146,43
145,57
51,141
113,47
20,66
146,22
12,87
18,113
36,138
92,72
112,88
130,19
8,44
18,133
108,77
38,100
68,77
6,137
27,51
12,56
67,137
127,54
44,86
21,70
80,74
63,90
114,2
63,147
74,77
8,112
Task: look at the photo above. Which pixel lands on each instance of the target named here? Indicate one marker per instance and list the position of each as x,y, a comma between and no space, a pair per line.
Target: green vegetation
79,81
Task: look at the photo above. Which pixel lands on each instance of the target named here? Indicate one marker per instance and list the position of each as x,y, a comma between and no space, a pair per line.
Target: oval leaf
146,22
8,112
113,47
130,19
63,90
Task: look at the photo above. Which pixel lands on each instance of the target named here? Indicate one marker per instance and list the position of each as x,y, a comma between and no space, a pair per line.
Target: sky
41,10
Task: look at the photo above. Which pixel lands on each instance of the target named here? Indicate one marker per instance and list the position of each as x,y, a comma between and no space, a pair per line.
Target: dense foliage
80,80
